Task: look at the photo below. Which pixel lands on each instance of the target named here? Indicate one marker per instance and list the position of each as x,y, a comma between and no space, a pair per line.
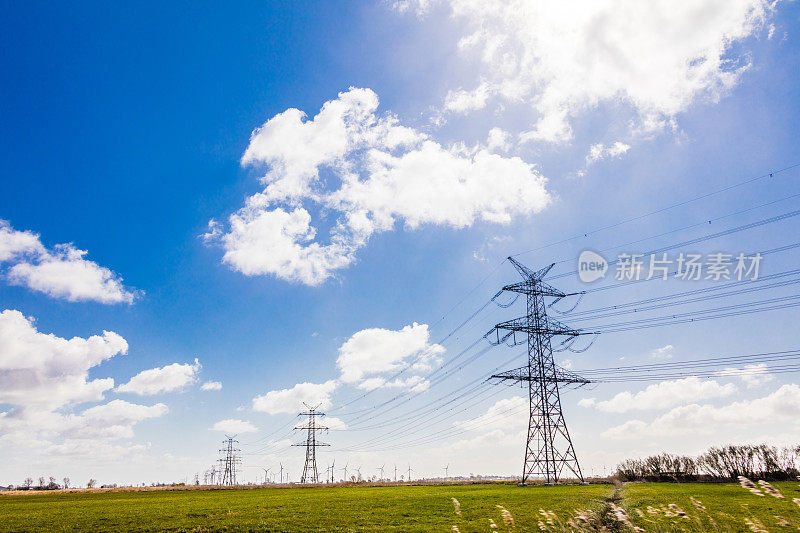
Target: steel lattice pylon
310,472
229,463
549,448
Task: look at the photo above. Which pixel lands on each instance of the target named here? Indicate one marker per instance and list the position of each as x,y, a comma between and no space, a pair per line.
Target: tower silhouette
549,447
310,473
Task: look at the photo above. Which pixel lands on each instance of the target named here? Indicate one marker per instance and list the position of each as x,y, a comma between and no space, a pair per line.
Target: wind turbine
266,473
446,469
345,471
332,467
395,472
381,469
409,471
281,472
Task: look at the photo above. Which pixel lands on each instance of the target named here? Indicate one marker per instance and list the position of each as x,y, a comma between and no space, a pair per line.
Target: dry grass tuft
769,489
755,525
749,485
697,503
507,518
782,521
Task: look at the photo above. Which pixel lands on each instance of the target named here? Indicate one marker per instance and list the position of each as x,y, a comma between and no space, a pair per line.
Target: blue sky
124,130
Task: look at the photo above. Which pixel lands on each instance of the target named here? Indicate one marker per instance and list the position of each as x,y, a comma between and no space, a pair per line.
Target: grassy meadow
725,507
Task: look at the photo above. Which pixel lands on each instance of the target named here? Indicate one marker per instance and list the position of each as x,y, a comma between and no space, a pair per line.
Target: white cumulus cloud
233,426
43,380
211,385
752,375
665,352
39,369
506,414
167,378
563,58
369,172
781,406
666,394
376,351
292,400
60,272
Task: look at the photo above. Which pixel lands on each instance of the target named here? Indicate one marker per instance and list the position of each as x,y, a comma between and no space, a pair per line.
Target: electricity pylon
310,473
549,448
230,461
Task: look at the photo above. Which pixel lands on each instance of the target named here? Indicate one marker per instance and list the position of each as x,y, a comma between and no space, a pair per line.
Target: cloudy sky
210,216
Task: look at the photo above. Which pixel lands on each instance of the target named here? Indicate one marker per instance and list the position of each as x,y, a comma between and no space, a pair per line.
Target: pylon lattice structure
231,460
310,472
549,448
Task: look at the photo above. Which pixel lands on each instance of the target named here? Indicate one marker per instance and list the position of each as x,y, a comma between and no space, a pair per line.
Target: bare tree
28,482
92,482
66,482
41,482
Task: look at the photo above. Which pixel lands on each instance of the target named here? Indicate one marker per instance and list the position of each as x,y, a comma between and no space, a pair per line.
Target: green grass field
727,506
394,508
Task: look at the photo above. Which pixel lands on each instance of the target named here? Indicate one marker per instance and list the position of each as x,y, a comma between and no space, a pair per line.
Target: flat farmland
648,506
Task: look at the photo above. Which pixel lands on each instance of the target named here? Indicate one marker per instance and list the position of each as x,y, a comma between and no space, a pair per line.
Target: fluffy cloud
376,351
666,394
331,422
499,416
211,385
105,422
233,426
656,58
14,244
61,272
362,358
113,420
665,352
781,406
292,400
44,377
371,173
412,383
752,375
38,369
164,379
587,402
600,151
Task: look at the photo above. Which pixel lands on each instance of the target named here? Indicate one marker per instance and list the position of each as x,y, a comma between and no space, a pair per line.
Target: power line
707,237
663,209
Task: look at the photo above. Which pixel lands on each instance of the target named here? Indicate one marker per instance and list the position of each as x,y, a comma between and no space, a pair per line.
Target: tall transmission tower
230,461
310,473
549,448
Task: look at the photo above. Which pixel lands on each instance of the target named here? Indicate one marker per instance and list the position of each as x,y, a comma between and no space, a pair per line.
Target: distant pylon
549,448
310,473
230,461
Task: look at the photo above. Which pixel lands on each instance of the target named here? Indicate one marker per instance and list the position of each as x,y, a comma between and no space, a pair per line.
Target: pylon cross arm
550,327
524,374
540,288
